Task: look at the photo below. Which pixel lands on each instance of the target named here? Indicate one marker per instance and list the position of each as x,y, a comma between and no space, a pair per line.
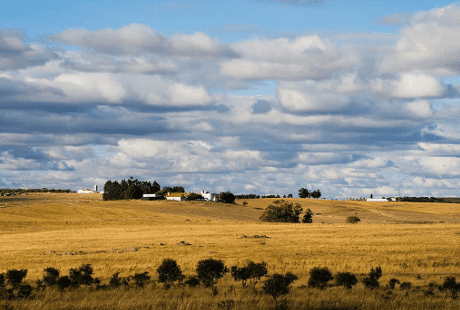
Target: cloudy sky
250,96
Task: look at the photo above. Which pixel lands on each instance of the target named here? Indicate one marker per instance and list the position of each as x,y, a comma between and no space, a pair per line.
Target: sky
249,96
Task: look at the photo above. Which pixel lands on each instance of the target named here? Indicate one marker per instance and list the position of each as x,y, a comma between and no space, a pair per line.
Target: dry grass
67,230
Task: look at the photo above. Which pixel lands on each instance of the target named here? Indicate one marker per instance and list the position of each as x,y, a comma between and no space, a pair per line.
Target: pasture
415,242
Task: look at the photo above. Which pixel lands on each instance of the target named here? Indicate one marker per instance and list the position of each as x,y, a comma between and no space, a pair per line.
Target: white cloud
408,85
431,41
306,57
418,109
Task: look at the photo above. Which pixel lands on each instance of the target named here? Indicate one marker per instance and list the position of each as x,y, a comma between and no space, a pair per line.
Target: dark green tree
209,271
282,211
308,217
169,272
227,197
304,193
279,285
252,272
345,279
319,277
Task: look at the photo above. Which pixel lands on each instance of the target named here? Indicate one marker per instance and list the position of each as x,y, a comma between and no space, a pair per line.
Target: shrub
282,211
24,291
64,282
209,271
278,285
169,272
405,285
252,272
372,281
50,276
345,279
450,285
192,281
353,219
141,278
227,197
319,277
392,283
308,217
14,277
82,275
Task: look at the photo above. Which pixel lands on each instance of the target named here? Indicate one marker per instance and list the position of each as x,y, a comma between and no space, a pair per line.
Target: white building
95,188
85,191
209,196
151,197
176,196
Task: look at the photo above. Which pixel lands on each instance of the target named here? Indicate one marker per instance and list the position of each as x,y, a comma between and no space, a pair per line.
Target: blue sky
266,96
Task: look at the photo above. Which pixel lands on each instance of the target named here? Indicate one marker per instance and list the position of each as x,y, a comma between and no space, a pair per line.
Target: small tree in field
319,277
345,279
308,217
169,272
209,271
372,281
278,285
282,211
227,197
252,272
50,276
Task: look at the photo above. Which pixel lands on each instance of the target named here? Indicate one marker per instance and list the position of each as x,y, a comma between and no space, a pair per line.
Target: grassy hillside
67,230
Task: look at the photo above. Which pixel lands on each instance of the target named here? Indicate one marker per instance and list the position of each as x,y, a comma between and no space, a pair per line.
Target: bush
64,282
405,285
345,279
353,219
50,276
192,281
253,272
319,277
372,281
209,271
14,277
227,197
450,285
278,285
308,217
141,278
282,211
169,272
392,283
82,275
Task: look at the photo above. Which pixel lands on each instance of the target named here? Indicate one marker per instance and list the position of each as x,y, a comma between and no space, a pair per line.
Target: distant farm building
381,200
176,196
84,191
209,196
95,188
152,197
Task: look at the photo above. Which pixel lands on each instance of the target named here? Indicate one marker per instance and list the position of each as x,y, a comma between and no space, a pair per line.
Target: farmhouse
176,196
380,200
210,196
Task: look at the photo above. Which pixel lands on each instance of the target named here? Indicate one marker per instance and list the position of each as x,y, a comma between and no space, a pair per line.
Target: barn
176,196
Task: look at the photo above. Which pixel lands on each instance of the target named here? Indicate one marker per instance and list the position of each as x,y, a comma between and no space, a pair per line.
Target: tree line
305,193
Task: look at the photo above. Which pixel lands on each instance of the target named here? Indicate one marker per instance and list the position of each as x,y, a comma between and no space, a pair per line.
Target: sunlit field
413,242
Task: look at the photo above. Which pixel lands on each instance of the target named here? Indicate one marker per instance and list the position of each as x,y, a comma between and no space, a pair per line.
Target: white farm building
210,196
85,191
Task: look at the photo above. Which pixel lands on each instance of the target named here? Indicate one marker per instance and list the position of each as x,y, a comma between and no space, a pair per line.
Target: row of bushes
208,273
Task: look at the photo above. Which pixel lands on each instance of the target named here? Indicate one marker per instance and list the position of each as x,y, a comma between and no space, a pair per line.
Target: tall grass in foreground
179,297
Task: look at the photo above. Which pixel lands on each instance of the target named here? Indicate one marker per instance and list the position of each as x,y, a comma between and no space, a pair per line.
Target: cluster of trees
4,191
130,189
305,193
282,211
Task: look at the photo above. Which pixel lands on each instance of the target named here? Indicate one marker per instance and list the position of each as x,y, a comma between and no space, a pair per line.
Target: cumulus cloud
306,57
135,39
16,54
409,85
430,42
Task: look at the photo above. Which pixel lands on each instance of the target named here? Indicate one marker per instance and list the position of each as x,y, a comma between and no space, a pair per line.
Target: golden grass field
416,242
